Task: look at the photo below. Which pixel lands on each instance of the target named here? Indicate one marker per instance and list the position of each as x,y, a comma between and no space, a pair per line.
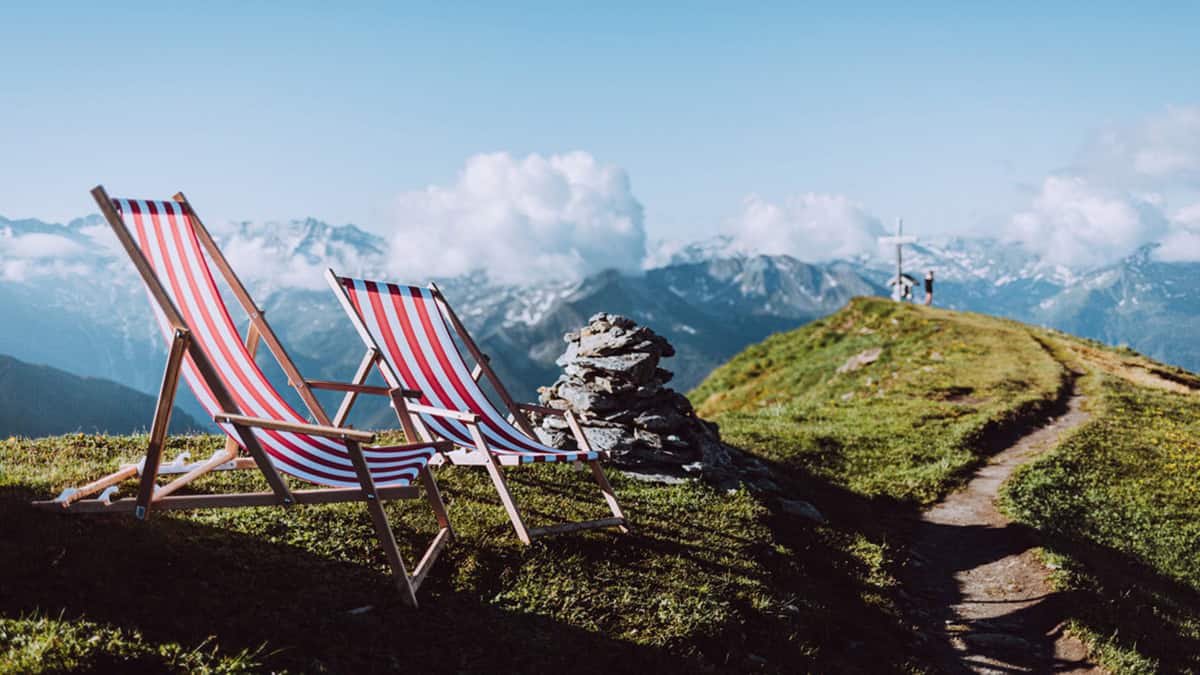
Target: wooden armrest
469,418
363,388
544,410
297,427
346,386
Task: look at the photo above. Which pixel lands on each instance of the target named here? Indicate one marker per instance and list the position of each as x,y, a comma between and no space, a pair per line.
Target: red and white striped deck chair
407,332
167,243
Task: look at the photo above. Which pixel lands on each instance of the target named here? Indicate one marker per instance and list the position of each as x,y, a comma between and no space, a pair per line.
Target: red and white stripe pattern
407,325
165,234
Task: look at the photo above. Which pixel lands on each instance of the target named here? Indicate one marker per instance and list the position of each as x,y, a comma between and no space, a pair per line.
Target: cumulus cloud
267,267
295,254
39,254
1116,196
37,245
1161,150
1076,223
809,227
561,216
1182,243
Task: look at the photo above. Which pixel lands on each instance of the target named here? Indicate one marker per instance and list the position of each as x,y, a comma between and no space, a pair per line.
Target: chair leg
162,419
506,497
435,499
609,495
382,528
510,503
388,541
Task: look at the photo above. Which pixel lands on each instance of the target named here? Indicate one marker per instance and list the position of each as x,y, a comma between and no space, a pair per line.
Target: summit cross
901,284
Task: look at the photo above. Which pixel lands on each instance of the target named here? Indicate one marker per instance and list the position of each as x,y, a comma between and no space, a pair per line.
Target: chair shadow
823,591
181,581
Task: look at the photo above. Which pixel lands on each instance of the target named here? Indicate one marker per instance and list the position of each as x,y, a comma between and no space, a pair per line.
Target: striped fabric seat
409,328
166,235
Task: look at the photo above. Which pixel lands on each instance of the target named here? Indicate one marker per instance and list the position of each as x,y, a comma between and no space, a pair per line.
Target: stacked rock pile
613,383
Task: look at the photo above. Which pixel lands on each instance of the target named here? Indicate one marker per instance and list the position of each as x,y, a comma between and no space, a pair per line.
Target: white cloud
37,245
1188,216
1163,150
1076,223
809,227
562,216
1182,243
39,254
295,254
267,268
1115,197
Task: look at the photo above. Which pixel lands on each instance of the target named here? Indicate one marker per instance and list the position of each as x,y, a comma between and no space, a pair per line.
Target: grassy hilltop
1116,506
708,579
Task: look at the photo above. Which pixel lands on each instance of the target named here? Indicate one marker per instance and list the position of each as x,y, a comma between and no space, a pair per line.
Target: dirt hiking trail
988,606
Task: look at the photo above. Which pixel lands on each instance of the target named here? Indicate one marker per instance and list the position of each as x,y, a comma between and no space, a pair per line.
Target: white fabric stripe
493,416
155,253
425,384
494,439
274,408
452,430
492,435
167,254
193,378
438,425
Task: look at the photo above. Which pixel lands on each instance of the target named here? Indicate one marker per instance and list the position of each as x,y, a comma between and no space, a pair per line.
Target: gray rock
552,438
636,366
581,399
607,439
865,357
569,355
663,478
653,421
802,509
613,382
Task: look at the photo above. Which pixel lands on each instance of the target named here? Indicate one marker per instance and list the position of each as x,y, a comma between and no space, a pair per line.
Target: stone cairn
613,383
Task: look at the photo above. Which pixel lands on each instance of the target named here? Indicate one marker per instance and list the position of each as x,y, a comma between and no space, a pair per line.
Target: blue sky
949,114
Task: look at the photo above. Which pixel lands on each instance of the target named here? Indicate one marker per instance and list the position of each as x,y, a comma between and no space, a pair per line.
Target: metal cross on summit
902,284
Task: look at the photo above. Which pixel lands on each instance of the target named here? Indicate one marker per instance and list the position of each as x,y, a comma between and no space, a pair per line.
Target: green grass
946,389
39,644
708,580
1118,507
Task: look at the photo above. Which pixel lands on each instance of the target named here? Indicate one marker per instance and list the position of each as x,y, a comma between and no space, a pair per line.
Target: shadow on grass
1133,605
839,574
180,581
1124,600
1020,634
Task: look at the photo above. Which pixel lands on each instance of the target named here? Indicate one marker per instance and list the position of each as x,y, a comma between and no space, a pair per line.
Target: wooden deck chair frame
411,423
152,496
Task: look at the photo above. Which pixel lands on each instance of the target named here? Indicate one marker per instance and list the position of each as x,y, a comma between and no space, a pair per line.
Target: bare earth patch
989,607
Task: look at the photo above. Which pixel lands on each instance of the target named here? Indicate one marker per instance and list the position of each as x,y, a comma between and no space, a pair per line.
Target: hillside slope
808,577
40,400
946,387
1115,506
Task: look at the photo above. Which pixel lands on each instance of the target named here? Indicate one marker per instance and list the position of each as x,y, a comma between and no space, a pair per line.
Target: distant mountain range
86,312
43,401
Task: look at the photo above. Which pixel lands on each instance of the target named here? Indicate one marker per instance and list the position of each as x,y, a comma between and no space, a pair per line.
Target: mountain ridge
710,298
38,400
